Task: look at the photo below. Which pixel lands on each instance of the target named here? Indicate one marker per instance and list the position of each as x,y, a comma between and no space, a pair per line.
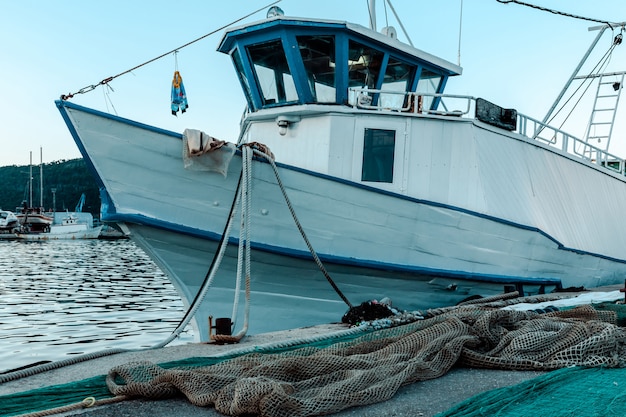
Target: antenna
460,30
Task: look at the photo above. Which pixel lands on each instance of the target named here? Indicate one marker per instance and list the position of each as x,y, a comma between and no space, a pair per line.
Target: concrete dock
420,399
426,398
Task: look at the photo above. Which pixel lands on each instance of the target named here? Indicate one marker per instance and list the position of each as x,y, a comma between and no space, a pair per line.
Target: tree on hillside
69,180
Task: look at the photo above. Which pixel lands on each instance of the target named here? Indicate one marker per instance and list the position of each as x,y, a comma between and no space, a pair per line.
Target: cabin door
380,152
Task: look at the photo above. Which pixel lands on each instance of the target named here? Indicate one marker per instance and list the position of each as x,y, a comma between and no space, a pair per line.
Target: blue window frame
318,58
273,74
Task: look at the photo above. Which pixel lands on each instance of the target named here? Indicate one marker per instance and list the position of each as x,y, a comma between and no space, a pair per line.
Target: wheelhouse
285,61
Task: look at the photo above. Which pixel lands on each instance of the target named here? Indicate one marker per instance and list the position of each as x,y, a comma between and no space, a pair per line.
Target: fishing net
568,392
370,368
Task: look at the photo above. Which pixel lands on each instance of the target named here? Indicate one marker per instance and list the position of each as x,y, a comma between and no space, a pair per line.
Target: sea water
60,299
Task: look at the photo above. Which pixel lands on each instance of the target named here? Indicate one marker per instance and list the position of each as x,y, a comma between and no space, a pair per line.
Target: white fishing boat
401,189
69,226
37,224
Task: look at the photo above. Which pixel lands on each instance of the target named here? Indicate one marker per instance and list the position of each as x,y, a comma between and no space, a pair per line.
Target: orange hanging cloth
179,97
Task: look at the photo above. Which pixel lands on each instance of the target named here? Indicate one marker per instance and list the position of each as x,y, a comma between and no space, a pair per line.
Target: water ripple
63,298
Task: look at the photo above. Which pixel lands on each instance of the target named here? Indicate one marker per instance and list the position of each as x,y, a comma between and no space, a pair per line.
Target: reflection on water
63,298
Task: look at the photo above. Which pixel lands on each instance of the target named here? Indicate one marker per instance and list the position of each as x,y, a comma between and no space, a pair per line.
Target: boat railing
419,103
409,102
543,132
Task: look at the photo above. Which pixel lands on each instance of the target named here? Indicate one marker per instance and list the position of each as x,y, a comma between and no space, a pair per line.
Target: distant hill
70,179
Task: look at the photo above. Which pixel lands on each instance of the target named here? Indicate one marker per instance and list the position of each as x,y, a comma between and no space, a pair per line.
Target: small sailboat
34,219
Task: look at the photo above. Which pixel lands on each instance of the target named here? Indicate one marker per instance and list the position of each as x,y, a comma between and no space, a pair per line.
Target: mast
372,10
575,73
30,181
40,177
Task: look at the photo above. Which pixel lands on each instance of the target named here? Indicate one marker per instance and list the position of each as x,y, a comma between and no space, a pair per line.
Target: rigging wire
371,15
107,98
408,38
107,80
386,17
602,63
557,12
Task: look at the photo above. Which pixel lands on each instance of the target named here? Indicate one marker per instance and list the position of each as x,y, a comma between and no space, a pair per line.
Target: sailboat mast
30,181
41,177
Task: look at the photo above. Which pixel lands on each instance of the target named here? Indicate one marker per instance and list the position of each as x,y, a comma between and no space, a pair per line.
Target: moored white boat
70,226
399,196
9,222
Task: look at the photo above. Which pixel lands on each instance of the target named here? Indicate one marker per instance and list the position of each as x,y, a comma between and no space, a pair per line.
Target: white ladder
602,117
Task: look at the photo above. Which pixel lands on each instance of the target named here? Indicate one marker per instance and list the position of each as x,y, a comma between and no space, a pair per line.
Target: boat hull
290,292
63,233
409,247
35,220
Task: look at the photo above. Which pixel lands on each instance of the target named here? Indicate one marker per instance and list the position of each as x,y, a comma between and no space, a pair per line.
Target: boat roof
232,35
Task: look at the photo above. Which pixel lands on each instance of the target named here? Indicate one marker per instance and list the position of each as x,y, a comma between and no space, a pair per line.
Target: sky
514,56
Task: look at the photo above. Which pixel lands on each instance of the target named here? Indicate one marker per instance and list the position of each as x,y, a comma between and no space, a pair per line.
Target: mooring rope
244,229
86,403
319,263
34,370
243,252
208,279
497,297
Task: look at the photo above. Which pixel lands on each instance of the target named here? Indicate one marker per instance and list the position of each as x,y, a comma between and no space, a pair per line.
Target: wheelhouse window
318,56
272,72
378,155
428,83
363,66
397,77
